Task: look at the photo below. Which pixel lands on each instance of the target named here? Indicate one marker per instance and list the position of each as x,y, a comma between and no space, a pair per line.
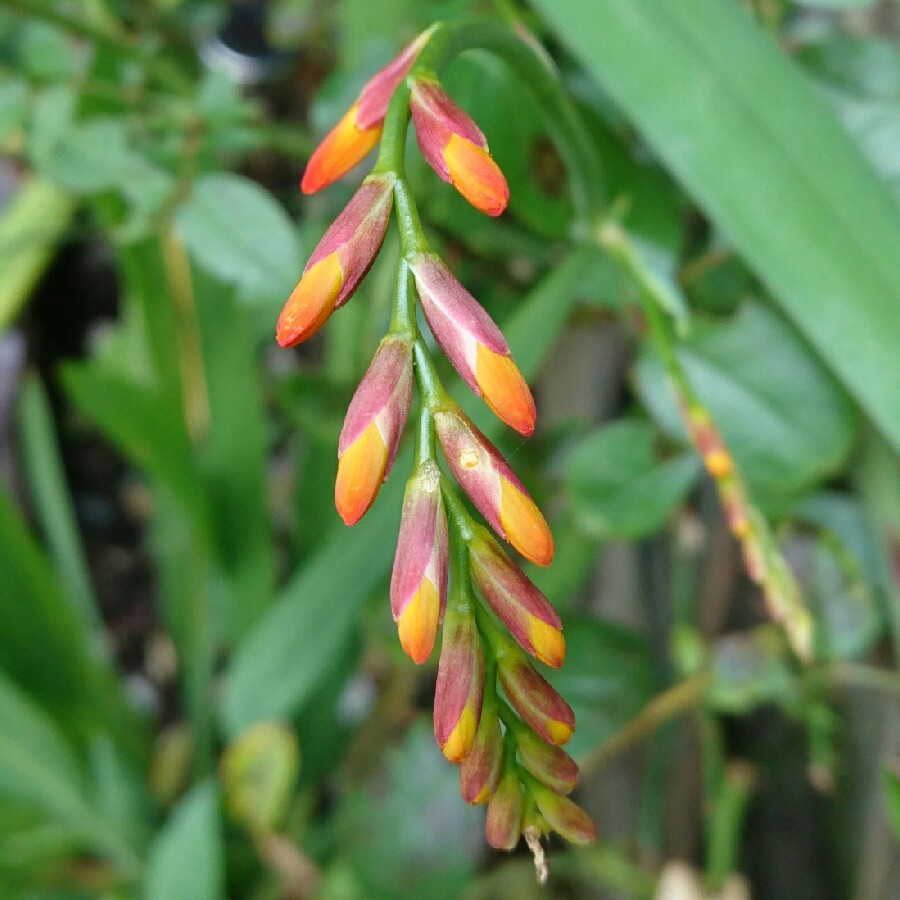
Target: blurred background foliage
201,691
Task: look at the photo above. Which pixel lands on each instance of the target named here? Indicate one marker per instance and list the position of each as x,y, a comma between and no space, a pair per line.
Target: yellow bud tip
718,463
548,642
311,302
459,743
525,527
504,390
341,149
418,623
560,732
360,474
476,176
482,797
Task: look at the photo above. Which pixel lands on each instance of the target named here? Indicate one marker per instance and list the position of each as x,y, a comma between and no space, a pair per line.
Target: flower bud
359,130
473,343
419,579
479,773
548,763
460,687
372,428
340,261
493,487
454,146
503,824
532,697
522,608
564,816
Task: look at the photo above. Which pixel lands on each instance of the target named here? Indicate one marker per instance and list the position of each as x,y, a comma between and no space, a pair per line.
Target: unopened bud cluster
494,713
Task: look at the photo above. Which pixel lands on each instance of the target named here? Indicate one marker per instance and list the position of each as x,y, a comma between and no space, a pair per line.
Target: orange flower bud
372,429
522,608
473,343
340,261
532,697
460,687
493,486
359,130
479,773
419,579
548,763
454,146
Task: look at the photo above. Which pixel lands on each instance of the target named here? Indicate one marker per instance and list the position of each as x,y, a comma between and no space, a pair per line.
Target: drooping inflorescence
494,713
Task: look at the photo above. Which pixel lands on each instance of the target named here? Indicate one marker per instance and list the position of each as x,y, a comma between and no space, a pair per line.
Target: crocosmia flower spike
360,128
419,579
473,343
455,148
340,261
372,428
493,486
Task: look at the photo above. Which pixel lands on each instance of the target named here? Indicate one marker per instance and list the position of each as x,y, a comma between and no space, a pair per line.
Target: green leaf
186,858
617,487
236,230
892,800
782,415
861,77
607,679
234,453
51,497
783,180
37,766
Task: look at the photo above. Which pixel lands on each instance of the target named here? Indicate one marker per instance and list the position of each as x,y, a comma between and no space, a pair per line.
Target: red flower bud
340,261
460,687
493,487
522,608
372,429
455,147
419,579
535,700
548,763
473,343
359,130
479,773
503,824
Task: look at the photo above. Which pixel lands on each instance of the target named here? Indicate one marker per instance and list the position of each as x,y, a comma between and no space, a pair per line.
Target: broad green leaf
187,858
617,487
277,666
785,419
607,679
239,233
50,494
783,179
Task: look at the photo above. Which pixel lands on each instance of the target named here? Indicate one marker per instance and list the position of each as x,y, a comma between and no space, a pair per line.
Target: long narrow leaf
754,144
